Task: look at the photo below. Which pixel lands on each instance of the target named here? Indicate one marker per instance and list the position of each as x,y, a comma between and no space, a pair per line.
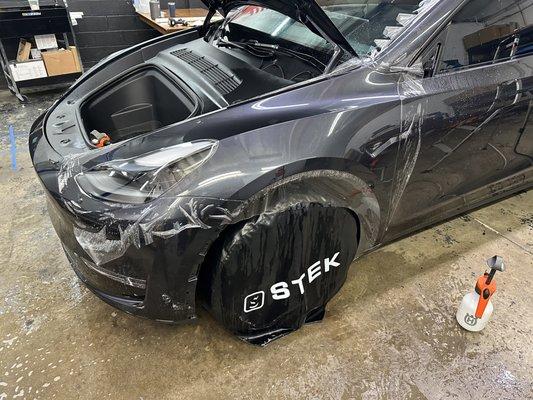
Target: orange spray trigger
99,139
486,285
103,141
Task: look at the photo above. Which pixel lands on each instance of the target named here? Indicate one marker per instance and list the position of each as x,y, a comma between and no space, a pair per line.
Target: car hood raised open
307,12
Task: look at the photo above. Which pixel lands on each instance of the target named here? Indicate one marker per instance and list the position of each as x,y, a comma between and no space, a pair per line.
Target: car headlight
140,179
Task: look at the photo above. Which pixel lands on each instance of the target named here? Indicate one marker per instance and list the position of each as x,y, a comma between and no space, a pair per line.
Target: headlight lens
141,179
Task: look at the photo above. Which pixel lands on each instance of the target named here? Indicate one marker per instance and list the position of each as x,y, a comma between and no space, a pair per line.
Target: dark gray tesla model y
244,164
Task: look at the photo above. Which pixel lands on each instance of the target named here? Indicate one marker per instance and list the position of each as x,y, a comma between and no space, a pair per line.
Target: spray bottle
476,308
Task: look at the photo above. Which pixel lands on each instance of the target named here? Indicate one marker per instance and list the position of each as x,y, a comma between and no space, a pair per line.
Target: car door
463,122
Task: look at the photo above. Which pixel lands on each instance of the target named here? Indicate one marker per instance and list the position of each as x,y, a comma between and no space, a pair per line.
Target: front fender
332,188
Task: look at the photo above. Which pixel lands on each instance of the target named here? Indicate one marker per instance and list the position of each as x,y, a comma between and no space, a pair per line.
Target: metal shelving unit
22,22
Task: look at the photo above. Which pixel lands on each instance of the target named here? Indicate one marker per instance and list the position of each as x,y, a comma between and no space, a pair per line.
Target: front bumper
144,259
155,278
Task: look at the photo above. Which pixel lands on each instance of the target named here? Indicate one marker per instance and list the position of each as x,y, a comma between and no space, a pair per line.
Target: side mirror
415,70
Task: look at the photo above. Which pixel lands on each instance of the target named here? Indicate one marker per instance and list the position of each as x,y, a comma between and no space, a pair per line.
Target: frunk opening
139,102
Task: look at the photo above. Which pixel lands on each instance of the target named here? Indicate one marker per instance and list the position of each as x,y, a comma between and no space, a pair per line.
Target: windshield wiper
267,50
261,50
260,45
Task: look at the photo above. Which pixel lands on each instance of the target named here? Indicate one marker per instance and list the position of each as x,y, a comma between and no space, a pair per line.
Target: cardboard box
489,34
28,70
76,57
46,42
23,53
60,62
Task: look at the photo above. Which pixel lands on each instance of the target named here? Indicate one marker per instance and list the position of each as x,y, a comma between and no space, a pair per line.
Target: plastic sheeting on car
275,272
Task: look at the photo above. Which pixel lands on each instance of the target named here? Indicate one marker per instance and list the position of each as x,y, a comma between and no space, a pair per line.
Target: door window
485,32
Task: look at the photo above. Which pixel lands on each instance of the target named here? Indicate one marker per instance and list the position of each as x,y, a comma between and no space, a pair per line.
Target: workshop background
106,26
391,332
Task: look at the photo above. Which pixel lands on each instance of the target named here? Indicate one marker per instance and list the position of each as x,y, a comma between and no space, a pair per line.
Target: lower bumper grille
107,281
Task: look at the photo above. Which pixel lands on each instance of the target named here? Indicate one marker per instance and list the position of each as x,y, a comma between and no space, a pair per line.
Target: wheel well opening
210,260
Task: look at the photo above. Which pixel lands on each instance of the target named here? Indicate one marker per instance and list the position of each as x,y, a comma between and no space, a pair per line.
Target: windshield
368,25
371,25
276,27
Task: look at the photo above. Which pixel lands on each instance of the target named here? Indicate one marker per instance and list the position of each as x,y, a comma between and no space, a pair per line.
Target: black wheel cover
279,248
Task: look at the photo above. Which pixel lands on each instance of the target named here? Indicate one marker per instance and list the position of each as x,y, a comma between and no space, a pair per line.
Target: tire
270,275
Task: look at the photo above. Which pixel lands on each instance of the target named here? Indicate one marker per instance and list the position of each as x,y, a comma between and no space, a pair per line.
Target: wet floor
389,334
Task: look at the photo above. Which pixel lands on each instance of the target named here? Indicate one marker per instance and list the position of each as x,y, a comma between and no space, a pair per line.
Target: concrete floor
389,334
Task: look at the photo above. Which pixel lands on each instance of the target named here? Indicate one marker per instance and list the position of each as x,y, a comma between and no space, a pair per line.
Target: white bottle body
466,314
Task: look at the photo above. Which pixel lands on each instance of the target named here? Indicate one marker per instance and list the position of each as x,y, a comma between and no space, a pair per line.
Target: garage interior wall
107,26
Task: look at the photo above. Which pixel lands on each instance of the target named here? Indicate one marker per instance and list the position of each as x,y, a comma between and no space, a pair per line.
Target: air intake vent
218,75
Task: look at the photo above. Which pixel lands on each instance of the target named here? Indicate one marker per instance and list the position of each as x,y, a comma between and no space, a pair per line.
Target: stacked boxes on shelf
44,58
